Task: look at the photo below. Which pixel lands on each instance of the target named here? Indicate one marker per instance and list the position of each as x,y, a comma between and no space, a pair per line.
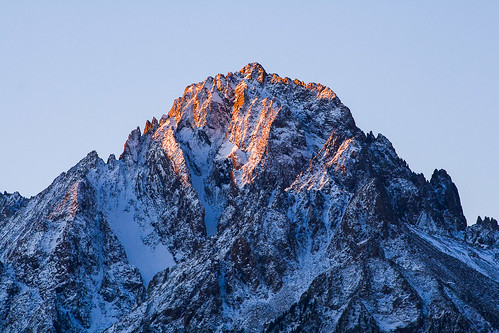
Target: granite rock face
10,203
484,233
254,205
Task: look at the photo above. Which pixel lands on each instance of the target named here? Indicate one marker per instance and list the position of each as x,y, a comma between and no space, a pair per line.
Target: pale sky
77,76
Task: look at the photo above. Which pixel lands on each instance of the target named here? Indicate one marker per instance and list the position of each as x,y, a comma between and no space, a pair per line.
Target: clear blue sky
77,76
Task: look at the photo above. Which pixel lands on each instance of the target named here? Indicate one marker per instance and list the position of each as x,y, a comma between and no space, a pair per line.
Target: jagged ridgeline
254,205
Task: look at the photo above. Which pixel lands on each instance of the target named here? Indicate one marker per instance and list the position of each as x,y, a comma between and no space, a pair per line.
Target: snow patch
130,221
150,256
480,260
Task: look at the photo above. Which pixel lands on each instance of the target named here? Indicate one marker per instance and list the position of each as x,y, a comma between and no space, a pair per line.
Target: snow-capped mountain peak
255,204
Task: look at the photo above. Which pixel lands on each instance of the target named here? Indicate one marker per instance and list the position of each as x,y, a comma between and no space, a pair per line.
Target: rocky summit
255,205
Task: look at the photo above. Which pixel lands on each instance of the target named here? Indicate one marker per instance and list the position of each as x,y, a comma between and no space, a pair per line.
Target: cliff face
255,205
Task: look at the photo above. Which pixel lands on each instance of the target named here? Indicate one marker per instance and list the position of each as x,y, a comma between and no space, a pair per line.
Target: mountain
255,205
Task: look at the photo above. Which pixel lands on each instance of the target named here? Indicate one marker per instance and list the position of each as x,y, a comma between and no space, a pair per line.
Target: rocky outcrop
484,233
10,203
